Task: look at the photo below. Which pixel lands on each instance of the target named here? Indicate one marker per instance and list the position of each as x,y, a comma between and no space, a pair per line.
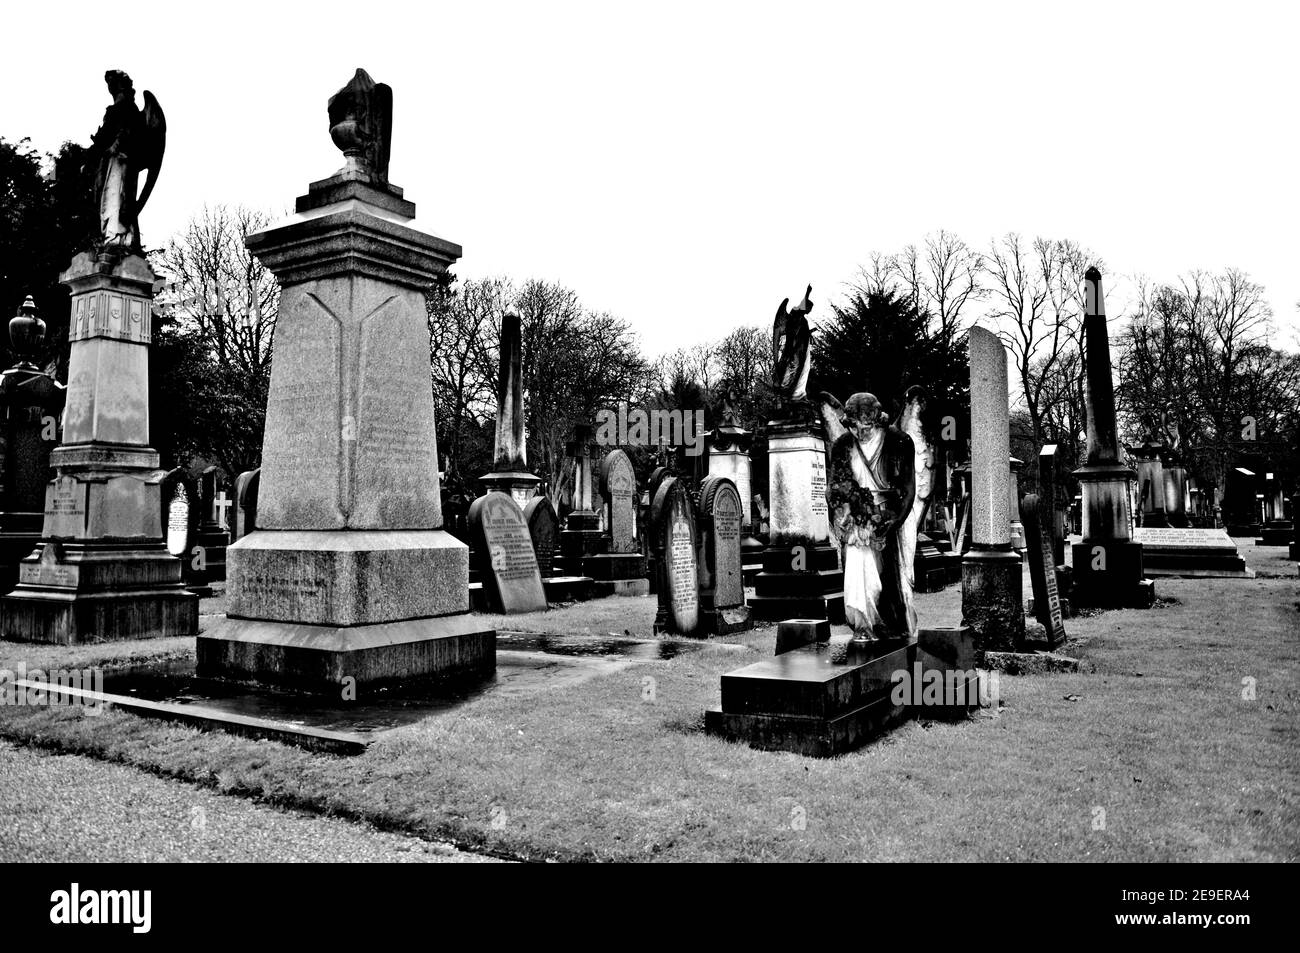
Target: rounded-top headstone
673,528
509,570
544,528
721,507
618,486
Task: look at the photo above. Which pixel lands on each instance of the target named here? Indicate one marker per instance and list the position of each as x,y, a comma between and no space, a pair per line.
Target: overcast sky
688,165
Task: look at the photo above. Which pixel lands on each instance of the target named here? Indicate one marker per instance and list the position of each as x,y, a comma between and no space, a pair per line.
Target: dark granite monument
1108,562
31,402
1037,514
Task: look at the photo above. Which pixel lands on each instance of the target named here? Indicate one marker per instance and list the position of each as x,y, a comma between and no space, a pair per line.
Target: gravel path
72,808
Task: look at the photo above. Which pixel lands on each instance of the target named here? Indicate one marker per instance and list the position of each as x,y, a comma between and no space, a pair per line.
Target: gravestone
1107,563
212,539
349,574
618,482
991,589
510,453
1042,569
544,530
30,404
1049,493
672,520
722,587
508,566
245,519
178,522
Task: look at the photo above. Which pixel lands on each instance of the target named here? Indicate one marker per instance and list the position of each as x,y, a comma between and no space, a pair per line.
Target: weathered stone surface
544,529
618,484
509,569
990,440
1032,663
797,482
992,598
1042,570
796,633
247,485
673,528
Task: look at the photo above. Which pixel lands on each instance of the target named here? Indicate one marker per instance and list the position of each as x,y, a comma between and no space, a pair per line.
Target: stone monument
349,574
511,578
722,588
1018,539
213,537
101,571
544,530
1108,562
991,588
246,485
801,575
673,535
1151,481
1042,568
510,456
31,402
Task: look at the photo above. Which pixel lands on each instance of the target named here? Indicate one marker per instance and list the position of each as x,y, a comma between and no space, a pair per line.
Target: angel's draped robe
878,600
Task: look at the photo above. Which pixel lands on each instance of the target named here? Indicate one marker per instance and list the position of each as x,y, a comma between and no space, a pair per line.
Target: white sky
688,165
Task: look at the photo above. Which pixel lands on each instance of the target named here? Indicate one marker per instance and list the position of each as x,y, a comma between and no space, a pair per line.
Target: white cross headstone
221,503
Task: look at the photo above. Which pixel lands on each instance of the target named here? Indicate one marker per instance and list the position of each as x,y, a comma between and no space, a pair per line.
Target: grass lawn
1155,755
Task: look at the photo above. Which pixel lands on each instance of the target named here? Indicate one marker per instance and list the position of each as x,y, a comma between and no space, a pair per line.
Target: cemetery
845,609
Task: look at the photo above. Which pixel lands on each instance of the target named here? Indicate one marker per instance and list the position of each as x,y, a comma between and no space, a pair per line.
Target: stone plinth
1169,551
349,573
801,575
101,571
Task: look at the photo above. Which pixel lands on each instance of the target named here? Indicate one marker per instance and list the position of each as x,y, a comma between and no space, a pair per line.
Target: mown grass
1159,738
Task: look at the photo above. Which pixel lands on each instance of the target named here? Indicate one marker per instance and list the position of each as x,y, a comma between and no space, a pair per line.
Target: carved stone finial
26,332
361,124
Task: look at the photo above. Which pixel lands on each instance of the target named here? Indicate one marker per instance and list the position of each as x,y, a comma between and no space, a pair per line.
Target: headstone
211,539
722,588
178,522
992,603
619,483
246,485
1107,563
31,402
544,529
673,525
1042,569
1049,495
349,573
1018,541
509,569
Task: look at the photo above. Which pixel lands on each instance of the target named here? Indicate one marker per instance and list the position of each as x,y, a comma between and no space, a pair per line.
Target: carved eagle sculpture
791,338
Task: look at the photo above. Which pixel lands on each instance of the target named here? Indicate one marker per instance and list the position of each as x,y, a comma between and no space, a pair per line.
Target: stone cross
220,504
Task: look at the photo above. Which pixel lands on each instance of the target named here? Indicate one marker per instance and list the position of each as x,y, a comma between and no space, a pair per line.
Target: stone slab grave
544,529
1193,553
508,568
826,696
349,573
673,534
721,570
1036,515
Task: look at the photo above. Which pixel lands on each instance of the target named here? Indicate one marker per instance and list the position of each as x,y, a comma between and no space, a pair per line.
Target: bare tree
940,279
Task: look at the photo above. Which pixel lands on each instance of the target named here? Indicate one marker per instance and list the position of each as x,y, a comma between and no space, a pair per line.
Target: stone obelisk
349,574
1108,563
992,589
510,457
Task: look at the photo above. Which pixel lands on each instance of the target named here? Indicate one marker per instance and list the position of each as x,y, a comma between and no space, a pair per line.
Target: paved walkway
75,809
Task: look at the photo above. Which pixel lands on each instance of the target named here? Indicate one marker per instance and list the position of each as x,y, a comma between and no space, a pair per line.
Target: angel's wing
910,424
832,411
778,336
153,143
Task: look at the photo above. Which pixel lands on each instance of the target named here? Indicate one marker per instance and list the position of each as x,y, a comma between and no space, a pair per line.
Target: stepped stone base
1116,584
318,658
74,592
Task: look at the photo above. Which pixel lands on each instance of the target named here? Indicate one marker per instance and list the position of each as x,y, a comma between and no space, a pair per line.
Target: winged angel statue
879,487
129,141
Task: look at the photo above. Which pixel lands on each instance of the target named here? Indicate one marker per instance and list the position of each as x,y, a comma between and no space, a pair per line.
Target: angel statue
791,338
128,141
872,493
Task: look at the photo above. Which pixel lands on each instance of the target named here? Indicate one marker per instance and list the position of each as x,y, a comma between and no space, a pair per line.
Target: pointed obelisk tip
1092,274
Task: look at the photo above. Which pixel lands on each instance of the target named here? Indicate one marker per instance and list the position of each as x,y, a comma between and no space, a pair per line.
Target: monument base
992,599
567,588
799,582
1195,553
1276,533
1108,574
318,658
74,592
725,621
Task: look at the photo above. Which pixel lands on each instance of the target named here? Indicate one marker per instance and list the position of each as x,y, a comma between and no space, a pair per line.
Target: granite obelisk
991,586
1108,563
349,574
510,455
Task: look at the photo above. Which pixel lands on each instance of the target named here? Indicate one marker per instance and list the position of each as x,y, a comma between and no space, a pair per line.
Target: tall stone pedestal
1108,571
349,574
101,571
801,575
